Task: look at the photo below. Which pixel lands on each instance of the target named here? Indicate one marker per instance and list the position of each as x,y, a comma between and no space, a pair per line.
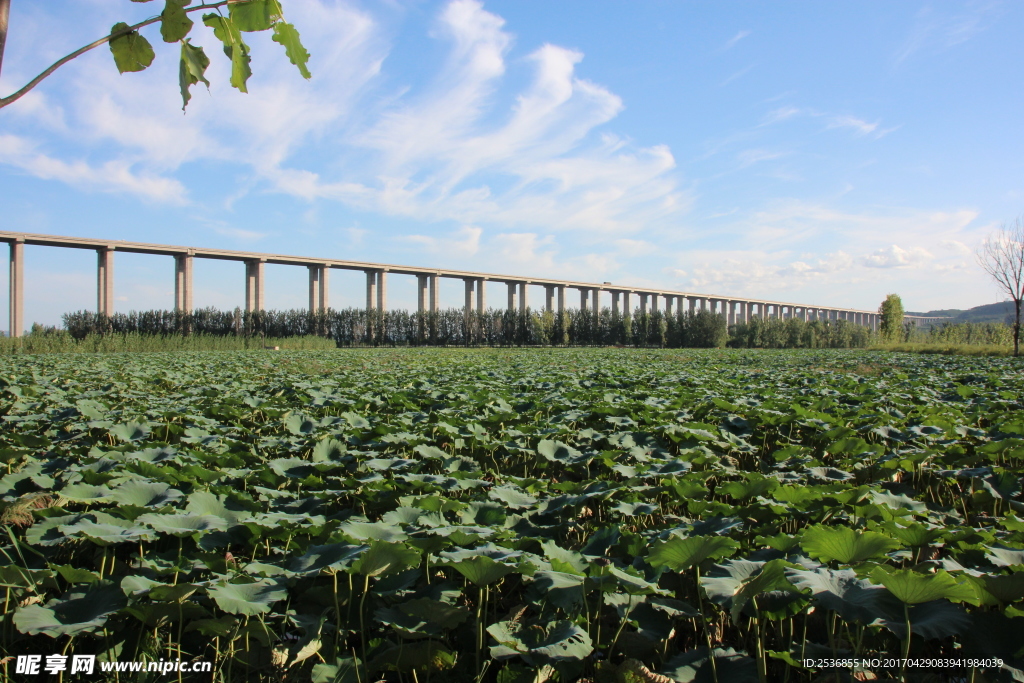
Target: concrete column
315,273
561,298
615,303
435,293
584,292
421,293
481,296
17,289
693,305
549,298
183,282
730,312
523,298
654,303
105,281
511,296
371,290
668,305
627,309
254,285
469,283
643,303
382,290
325,289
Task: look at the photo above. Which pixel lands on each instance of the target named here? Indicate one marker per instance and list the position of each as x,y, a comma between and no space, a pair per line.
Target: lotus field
517,516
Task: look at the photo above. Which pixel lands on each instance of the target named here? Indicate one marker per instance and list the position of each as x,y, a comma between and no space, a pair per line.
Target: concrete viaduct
735,309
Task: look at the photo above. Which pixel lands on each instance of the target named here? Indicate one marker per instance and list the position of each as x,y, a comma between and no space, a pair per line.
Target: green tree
891,325
1002,257
132,52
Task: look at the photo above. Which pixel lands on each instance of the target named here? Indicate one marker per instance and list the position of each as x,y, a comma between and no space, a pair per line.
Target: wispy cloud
739,74
859,125
729,44
937,30
116,176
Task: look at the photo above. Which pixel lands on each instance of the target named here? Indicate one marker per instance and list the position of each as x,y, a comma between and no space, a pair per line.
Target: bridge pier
511,296
469,286
549,298
524,296
584,292
318,288
183,282
16,293
561,298
481,296
105,281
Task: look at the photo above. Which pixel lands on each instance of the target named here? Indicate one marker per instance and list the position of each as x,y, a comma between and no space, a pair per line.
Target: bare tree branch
1002,257
4,101
5,10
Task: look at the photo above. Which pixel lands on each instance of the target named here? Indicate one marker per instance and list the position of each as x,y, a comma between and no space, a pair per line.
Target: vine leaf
235,48
192,70
174,22
131,51
288,36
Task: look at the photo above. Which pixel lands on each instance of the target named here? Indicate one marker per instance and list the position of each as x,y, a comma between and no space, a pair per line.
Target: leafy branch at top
132,52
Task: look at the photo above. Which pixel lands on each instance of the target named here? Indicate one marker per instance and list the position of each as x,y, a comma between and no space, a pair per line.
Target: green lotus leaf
333,556
422,617
383,559
342,670
1005,557
511,497
559,589
846,545
329,450
84,493
373,531
571,561
482,570
74,613
427,654
840,590
182,525
206,503
936,619
556,451
695,666
145,494
131,431
680,554
557,642
248,599
914,588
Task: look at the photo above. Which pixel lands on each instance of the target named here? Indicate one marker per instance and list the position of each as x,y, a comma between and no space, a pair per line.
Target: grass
120,343
947,349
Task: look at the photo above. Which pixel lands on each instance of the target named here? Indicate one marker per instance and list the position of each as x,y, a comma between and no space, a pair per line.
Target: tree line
493,327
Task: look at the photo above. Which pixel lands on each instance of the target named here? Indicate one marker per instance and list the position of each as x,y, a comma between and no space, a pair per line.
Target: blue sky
824,153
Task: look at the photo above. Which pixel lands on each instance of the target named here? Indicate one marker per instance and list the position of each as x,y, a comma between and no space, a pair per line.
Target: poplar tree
891,324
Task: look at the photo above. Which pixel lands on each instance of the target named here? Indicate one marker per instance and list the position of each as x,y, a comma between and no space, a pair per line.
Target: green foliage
890,326
132,52
336,515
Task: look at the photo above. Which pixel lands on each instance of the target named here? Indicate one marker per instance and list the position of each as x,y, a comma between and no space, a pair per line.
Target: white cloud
894,256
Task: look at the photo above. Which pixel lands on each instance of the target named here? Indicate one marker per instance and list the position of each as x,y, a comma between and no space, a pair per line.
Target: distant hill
989,313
